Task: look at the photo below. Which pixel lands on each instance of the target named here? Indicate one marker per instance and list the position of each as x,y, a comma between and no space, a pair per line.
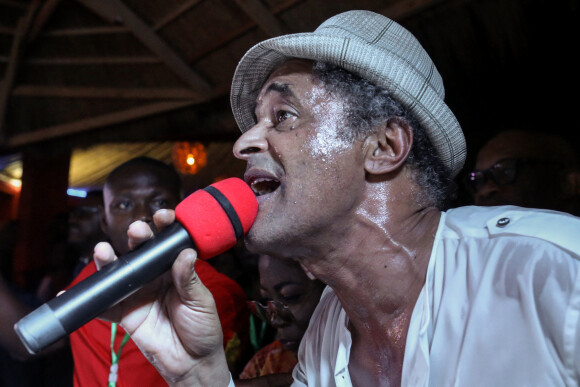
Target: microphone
209,220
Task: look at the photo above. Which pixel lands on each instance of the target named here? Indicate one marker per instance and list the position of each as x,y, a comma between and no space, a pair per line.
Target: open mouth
263,186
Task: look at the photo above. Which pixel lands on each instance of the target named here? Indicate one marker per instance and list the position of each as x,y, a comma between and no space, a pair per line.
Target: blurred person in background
527,169
103,351
288,299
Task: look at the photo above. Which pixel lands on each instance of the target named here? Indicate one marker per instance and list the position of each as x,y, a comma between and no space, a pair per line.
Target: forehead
135,179
278,270
513,145
293,74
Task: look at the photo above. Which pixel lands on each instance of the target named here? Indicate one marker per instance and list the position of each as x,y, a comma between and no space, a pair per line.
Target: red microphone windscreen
210,217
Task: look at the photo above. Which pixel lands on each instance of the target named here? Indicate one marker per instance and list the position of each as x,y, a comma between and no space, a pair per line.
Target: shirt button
503,222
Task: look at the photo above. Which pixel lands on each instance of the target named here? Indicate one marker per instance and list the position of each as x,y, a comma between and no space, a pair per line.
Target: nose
277,314
251,142
485,192
276,320
142,212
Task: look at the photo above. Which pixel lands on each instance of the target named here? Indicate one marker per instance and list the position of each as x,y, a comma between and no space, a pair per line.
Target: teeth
263,186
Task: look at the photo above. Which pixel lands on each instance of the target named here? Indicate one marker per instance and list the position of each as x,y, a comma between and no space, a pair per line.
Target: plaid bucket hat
373,47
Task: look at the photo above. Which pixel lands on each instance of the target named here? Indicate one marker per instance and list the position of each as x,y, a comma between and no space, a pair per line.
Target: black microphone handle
113,283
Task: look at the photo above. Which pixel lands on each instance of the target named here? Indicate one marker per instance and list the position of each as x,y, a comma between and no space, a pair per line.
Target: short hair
538,143
369,105
168,172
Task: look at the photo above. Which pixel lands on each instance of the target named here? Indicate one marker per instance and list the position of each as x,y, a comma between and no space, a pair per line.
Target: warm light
189,157
16,183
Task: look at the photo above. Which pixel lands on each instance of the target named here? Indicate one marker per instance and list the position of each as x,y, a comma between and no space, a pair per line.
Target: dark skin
135,194
348,212
84,226
370,216
283,280
550,181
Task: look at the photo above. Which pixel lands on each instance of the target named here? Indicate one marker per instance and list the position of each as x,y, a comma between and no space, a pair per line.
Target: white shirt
500,307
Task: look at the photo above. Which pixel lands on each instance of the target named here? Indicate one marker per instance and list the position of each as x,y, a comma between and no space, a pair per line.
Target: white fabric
500,307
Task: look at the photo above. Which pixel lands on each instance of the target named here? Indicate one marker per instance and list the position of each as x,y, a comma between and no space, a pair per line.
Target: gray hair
368,106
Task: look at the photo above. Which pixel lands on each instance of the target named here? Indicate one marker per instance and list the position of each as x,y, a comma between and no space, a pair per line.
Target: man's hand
173,320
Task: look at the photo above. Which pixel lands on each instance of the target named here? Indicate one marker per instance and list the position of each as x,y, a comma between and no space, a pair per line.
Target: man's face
306,173
535,184
134,195
84,225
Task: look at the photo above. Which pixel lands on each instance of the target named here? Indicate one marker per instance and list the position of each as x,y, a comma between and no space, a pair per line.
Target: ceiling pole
164,93
116,11
403,8
262,16
86,124
184,7
18,46
44,14
230,35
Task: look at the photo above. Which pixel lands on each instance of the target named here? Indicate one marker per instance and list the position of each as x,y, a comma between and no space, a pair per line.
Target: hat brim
383,68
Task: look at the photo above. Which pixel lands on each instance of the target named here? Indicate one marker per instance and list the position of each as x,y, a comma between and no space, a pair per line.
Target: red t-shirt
91,343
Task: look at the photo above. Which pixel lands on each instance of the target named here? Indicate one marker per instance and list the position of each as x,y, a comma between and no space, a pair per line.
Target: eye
282,115
122,205
158,204
291,298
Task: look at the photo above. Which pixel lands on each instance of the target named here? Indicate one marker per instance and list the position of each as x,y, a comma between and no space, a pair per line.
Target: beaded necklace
115,356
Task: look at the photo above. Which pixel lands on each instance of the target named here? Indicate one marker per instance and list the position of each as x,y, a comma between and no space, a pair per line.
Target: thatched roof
78,73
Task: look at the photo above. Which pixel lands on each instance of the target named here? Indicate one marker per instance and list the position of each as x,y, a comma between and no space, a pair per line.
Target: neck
377,268
384,266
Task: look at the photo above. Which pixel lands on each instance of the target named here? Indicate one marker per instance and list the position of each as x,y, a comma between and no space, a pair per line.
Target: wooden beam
7,30
88,31
16,50
222,40
406,8
80,61
186,6
102,92
262,16
101,121
115,10
14,4
42,17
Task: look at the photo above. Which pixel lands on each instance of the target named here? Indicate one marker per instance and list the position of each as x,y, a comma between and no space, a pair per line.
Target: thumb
187,283
196,320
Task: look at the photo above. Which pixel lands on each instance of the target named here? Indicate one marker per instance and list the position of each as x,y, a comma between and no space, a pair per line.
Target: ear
387,149
571,184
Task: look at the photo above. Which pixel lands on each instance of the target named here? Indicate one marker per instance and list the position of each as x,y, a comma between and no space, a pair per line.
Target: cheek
327,143
117,226
302,315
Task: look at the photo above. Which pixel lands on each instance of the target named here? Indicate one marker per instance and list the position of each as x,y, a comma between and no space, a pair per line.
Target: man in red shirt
102,351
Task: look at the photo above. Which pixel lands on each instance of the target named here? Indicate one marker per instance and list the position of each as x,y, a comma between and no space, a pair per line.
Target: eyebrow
279,286
282,88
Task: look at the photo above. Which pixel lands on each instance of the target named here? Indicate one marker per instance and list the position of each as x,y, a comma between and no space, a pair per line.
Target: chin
261,239
290,345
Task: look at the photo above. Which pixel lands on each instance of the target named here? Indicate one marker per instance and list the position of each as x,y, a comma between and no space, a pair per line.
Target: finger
184,275
103,254
163,218
189,287
200,309
138,233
